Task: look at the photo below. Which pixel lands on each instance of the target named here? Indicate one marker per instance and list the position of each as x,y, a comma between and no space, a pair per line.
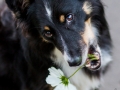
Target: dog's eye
69,17
48,34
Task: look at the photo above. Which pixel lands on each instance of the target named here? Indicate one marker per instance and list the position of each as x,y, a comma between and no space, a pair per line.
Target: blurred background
111,80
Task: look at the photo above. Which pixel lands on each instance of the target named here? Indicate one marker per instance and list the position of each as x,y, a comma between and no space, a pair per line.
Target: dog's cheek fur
88,33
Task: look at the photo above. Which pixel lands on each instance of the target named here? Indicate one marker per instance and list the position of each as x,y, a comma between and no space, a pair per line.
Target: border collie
38,34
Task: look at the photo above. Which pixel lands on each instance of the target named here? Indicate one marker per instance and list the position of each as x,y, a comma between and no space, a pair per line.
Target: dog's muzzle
76,62
94,64
90,64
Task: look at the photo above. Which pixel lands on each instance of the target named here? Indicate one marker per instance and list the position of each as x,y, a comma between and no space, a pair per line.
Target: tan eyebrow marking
62,18
46,28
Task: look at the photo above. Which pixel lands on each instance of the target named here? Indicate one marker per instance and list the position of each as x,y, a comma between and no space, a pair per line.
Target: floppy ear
19,7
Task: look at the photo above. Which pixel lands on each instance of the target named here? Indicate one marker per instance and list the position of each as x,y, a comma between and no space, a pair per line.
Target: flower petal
54,72
59,87
60,72
71,87
53,81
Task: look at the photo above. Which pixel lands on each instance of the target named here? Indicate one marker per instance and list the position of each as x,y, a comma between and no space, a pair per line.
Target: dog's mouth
93,63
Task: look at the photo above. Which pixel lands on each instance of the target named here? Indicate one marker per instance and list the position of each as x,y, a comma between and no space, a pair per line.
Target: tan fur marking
87,7
62,18
44,40
17,14
88,33
46,28
49,86
25,3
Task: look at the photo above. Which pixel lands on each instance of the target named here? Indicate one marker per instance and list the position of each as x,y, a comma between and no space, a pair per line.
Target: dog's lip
93,65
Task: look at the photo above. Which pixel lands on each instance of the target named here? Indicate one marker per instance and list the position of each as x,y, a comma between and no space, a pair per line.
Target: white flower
58,80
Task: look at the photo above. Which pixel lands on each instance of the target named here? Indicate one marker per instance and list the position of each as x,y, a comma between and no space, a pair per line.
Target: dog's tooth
97,64
92,67
88,65
97,55
98,61
88,61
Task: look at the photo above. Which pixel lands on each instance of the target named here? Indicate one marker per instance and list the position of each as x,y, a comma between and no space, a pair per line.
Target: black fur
25,56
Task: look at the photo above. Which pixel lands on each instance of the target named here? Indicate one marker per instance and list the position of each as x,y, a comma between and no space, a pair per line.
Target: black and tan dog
38,34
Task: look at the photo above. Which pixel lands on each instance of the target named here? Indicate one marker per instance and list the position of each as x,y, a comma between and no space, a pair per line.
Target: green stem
92,59
91,56
76,71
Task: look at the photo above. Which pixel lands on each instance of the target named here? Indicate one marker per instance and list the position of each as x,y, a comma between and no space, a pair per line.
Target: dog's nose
75,62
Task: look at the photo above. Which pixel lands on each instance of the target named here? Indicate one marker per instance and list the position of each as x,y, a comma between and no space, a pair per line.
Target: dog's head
68,24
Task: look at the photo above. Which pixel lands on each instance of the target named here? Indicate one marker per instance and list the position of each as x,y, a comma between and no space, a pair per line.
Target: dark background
111,80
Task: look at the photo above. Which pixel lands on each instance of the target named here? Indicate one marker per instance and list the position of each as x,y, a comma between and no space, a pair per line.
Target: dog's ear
19,7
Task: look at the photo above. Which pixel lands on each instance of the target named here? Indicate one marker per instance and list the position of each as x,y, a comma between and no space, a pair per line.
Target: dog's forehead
51,11
62,2
53,7
62,5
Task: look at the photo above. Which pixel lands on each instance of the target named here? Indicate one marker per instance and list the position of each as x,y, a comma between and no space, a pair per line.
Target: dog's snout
75,62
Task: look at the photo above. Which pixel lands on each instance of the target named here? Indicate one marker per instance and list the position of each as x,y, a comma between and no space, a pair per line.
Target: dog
38,34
